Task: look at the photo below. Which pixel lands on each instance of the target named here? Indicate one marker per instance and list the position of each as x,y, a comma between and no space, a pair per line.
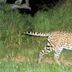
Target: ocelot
56,41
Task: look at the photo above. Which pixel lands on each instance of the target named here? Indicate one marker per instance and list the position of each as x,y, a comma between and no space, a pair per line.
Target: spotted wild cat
56,41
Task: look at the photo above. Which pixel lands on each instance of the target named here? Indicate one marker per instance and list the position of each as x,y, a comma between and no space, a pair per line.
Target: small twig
14,6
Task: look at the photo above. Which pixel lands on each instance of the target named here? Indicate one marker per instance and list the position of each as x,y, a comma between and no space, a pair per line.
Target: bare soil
47,60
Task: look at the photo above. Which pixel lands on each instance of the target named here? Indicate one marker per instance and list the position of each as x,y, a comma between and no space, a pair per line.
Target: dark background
36,5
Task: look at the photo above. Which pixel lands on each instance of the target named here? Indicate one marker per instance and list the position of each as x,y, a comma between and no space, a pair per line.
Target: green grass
59,18
29,67
13,44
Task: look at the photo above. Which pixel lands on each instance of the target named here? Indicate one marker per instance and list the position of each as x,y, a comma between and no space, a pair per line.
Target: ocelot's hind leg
57,54
44,51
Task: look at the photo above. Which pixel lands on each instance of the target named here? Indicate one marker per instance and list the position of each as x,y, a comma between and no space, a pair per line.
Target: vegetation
26,67
15,47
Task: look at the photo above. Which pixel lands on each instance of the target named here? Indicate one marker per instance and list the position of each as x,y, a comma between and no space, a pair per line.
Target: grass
16,47
59,18
29,67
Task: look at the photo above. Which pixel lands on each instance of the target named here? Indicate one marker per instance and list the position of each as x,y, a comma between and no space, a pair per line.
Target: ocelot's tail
36,34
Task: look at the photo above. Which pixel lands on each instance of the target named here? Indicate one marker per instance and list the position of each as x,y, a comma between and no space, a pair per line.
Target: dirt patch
51,61
20,58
